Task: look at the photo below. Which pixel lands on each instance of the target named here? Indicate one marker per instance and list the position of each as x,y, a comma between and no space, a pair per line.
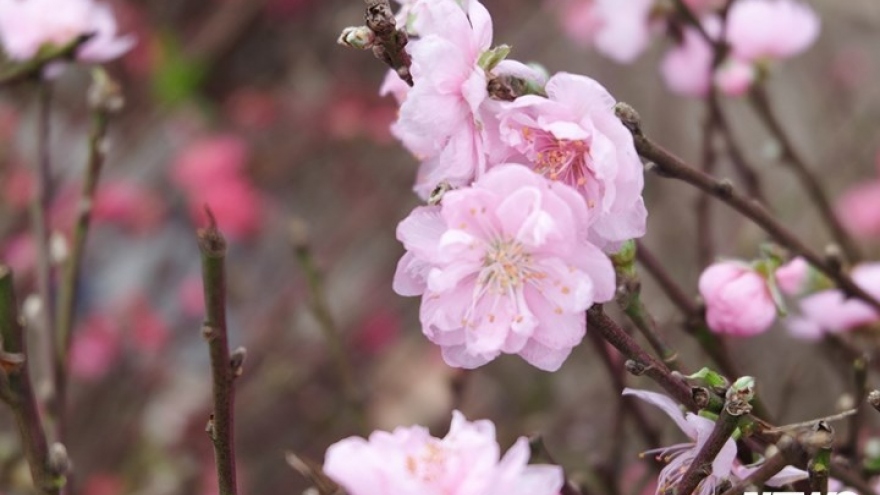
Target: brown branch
790,453
221,425
104,98
33,69
671,166
598,321
48,474
809,181
701,466
390,43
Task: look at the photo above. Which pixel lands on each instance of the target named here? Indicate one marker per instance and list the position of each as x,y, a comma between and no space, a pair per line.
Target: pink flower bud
738,300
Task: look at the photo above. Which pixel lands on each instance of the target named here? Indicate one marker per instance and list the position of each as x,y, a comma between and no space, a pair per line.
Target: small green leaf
491,58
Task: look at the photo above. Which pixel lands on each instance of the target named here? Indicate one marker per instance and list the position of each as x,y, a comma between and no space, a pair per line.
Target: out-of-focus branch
320,309
224,368
104,98
809,181
48,467
668,165
32,69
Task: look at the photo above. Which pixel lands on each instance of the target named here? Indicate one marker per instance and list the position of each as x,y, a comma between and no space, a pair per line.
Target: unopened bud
629,117
58,248
59,461
105,94
360,37
236,361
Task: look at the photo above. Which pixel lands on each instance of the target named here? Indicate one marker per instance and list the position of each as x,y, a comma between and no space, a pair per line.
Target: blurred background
258,92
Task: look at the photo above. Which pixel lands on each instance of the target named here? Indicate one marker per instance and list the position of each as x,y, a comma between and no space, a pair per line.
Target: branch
33,68
47,471
223,368
104,98
701,466
809,181
597,321
670,166
383,37
790,453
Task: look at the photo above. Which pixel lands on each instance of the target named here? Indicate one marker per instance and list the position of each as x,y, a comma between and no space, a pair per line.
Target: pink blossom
504,267
149,330
467,461
770,29
738,299
127,204
859,209
236,205
620,30
441,119
28,25
793,276
95,348
191,296
680,456
208,160
829,311
686,68
574,137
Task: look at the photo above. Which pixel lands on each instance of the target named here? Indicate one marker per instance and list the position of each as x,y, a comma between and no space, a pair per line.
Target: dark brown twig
809,180
104,98
48,474
221,425
390,43
671,166
701,466
790,453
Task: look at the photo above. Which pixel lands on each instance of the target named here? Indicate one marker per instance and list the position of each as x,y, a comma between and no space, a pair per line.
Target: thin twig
701,466
598,321
790,453
321,311
671,166
48,478
105,98
810,182
33,69
221,425
860,390
650,436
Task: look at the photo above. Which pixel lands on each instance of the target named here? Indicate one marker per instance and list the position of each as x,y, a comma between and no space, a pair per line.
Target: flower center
429,465
506,267
558,159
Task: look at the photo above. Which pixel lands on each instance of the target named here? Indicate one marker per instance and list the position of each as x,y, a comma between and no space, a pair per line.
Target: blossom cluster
744,299
528,191
731,50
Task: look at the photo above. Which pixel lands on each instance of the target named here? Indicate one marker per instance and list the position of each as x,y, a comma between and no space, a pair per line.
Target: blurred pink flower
440,121
738,299
759,30
620,30
467,461
574,137
149,331
236,205
103,484
95,348
127,204
192,297
859,209
793,276
686,67
378,330
210,160
18,186
28,25
20,253
680,456
829,311
504,266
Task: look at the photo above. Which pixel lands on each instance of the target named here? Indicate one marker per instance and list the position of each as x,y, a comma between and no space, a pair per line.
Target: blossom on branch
738,299
620,30
724,468
504,266
467,461
26,26
574,137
